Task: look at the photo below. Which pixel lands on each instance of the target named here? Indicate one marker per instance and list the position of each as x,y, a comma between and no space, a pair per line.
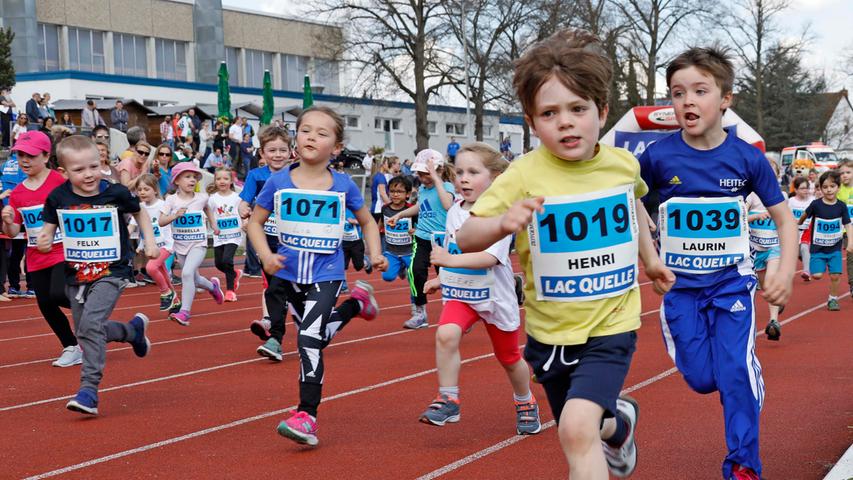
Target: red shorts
264,279
505,344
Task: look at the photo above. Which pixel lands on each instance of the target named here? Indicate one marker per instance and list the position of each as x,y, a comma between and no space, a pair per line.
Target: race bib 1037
310,220
189,227
584,247
703,235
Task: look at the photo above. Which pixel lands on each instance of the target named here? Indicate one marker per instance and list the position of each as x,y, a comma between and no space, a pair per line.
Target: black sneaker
166,300
176,281
519,289
773,330
368,265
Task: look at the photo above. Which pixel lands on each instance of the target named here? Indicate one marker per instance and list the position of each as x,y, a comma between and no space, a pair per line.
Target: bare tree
397,41
652,24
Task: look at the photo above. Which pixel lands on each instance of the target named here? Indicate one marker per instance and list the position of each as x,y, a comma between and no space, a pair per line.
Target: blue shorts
594,371
821,262
761,257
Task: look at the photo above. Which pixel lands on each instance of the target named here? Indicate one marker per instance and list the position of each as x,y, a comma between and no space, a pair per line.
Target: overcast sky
831,22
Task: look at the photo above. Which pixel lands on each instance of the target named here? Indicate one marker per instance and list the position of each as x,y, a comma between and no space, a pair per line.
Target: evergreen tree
7,68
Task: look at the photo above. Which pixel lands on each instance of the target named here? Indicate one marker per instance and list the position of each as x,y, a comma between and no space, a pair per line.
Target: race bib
763,233
310,220
158,233
229,228
827,232
90,235
798,212
398,235
703,235
189,227
351,232
437,239
850,211
584,247
33,223
270,227
465,284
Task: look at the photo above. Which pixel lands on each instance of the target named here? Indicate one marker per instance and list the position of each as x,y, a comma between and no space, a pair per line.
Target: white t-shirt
224,209
501,310
164,240
798,207
235,133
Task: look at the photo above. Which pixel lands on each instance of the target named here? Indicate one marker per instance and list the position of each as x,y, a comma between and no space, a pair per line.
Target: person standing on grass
92,211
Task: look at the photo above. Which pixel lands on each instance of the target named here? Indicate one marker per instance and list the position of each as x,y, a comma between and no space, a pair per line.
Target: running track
204,405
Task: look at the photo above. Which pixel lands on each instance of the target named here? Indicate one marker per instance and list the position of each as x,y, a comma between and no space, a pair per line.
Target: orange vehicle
823,157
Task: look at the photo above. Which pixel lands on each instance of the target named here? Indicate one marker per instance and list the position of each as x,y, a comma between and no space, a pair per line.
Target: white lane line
843,469
517,438
237,423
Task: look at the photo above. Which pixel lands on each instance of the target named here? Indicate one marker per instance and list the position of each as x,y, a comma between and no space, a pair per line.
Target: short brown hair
270,133
714,61
339,121
77,143
491,158
575,58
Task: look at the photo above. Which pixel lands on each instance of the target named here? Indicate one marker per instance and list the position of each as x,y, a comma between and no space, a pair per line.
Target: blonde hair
211,188
76,143
146,179
491,158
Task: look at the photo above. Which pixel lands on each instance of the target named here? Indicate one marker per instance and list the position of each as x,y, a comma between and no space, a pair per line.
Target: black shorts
353,251
594,371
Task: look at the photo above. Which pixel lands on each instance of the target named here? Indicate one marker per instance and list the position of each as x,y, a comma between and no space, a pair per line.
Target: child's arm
167,219
210,218
143,222
443,195
371,238
661,276
432,285
777,289
407,213
758,216
478,233
244,209
271,261
849,228
10,228
443,258
44,242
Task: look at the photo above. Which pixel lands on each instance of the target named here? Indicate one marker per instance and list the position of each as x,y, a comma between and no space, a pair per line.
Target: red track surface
204,405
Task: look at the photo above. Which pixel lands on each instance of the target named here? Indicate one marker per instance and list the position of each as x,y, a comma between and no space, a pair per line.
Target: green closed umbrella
307,96
269,103
223,94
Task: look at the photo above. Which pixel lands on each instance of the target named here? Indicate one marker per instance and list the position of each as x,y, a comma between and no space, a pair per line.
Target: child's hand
8,215
432,285
520,214
44,243
151,251
379,262
440,257
273,263
777,289
244,210
216,230
180,212
432,171
661,276
758,216
393,220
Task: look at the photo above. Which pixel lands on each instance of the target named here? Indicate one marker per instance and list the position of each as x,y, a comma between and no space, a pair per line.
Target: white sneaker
131,284
623,460
70,356
418,320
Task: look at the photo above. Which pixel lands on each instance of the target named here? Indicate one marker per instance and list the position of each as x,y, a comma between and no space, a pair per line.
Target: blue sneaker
29,294
140,343
14,293
86,401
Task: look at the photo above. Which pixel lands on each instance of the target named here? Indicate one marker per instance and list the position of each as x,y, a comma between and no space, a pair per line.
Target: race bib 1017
584,247
703,235
309,220
90,235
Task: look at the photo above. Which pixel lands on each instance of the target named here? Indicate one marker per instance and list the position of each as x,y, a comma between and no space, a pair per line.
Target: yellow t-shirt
845,194
540,173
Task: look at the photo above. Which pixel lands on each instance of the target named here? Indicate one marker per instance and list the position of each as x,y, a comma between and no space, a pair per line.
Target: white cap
424,156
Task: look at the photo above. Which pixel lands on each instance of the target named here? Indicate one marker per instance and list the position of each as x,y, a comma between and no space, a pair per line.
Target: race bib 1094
584,247
310,220
827,233
703,235
90,235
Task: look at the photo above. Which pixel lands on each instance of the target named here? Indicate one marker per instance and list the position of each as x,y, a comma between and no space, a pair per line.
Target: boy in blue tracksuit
703,174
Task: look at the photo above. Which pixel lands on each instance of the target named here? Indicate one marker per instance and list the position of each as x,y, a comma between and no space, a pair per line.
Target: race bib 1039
703,235
584,247
90,235
309,220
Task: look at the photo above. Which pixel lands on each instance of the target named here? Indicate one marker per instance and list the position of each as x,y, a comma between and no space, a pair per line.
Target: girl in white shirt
223,203
147,189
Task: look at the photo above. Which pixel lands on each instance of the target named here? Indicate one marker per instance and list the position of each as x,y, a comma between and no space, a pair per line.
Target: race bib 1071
703,235
584,247
310,220
90,235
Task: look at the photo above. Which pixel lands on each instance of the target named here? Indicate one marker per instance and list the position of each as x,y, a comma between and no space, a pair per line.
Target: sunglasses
102,136
143,152
164,154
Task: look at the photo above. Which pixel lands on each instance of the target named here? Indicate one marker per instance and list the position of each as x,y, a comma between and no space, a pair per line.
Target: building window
233,64
171,59
293,70
353,121
431,127
327,75
130,55
86,50
386,124
256,62
487,131
454,129
48,46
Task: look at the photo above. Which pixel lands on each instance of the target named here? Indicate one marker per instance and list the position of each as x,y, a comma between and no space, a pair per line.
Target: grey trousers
91,306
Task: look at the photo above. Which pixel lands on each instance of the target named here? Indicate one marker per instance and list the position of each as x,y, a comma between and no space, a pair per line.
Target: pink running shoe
230,296
743,473
300,428
182,318
216,293
363,292
237,279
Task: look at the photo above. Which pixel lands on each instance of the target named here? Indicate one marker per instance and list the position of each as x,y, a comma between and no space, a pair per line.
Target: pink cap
32,143
184,167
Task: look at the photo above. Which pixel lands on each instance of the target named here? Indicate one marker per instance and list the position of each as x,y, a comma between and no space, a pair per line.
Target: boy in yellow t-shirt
575,205
845,195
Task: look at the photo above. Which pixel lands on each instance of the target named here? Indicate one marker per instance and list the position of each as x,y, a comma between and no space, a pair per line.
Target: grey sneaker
527,417
442,410
418,320
70,356
271,349
623,460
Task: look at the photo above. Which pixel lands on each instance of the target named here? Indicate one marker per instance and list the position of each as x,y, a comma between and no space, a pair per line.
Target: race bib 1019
90,235
584,247
703,235
310,220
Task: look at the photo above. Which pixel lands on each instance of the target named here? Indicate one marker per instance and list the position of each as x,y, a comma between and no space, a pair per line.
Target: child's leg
772,268
834,283
456,317
684,326
394,266
579,436
849,264
817,265
357,255
224,260
731,316
276,301
190,277
419,270
806,256
156,269
49,286
505,345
